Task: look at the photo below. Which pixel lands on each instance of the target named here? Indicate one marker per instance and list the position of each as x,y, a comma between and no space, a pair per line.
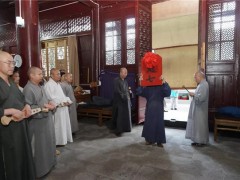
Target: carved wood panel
145,32
145,45
221,90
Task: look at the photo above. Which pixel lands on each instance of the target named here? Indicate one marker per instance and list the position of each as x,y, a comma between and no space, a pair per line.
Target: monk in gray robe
197,124
121,113
68,91
41,127
16,161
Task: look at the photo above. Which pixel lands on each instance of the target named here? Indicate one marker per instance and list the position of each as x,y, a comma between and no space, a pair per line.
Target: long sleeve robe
41,130
63,132
197,124
121,120
68,91
153,129
16,162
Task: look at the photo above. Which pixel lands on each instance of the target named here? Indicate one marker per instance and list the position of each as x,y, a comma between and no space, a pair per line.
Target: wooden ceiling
7,7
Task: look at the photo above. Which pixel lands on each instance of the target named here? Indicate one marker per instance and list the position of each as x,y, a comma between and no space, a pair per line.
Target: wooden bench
225,124
99,112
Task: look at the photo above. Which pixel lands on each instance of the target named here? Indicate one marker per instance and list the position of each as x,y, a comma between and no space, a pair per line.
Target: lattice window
144,32
221,31
51,58
44,60
55,55
8,35
61,52
113,43
79,24
54,29
65,27
131,36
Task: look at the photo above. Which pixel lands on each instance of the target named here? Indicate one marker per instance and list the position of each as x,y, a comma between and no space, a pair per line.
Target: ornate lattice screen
131,36
8,35
145,31
221,31
65,27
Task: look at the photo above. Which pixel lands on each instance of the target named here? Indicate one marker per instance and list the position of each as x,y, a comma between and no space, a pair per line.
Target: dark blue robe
153,129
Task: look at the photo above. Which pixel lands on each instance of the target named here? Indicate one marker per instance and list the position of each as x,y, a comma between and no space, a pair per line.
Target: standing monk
197,124
41,127
63,132
153,129
121,116
16,162
68,91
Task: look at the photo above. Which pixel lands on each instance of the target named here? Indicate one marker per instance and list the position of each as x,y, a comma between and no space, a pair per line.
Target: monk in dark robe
16,162
121,115
153,129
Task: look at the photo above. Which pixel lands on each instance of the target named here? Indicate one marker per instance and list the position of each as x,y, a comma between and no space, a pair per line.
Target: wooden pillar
28,42
202,33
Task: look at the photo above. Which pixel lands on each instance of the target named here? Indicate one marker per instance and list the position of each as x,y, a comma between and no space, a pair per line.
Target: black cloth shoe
118,134
160,145
198,144
148,143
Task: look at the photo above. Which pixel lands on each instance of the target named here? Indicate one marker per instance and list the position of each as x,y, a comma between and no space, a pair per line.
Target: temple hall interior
93,39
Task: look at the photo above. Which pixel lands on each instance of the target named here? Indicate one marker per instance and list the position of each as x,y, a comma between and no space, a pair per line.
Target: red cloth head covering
151,69
151,60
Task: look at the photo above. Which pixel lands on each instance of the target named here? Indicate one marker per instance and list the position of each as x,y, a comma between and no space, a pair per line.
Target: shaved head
53,70
123,72
200,73
55,74
6,64
68,77
3,53
35,75
199,76
33,70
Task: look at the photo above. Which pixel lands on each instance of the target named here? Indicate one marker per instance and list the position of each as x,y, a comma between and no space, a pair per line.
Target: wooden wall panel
85,59
220,68
221,91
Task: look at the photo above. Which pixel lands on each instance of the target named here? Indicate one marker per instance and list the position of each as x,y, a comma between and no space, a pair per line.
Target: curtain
106,88
73,59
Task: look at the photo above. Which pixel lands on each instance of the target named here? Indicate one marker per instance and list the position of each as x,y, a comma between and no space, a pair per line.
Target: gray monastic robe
16,161
121,113
197,124
68,91
41,130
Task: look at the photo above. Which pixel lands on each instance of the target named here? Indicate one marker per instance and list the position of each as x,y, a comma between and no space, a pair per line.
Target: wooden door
222,49
85,59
